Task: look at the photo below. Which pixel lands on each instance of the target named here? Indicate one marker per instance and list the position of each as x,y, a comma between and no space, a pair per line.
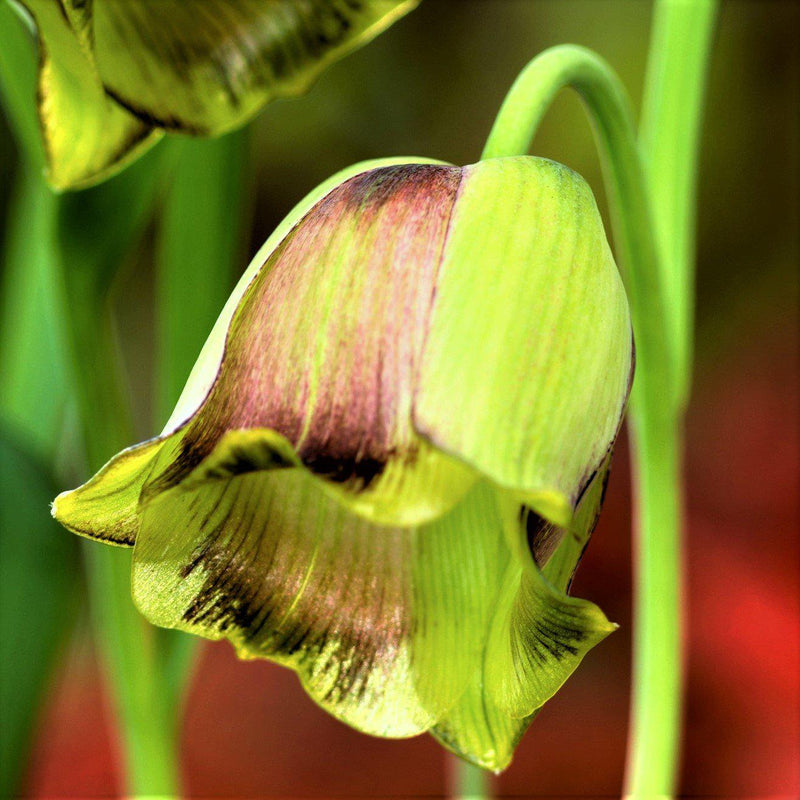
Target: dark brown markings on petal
325,351
583,539
250,49
631,373
162,121
345,470
60,4
191,453
590,474
283,576
541,636
596,518
543,536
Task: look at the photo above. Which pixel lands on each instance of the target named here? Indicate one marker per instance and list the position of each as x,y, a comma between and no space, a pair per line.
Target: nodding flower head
392,451
115,74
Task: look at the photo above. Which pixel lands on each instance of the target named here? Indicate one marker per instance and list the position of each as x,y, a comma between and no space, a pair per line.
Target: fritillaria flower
392,451
115,74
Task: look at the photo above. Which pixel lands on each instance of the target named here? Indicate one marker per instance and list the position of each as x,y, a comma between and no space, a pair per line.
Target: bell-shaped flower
393,449
115,74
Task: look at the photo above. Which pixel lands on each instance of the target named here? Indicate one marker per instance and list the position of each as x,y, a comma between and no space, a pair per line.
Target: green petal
86,135
106,506
324,347
537,637
531,328
478,731
384,625
205,68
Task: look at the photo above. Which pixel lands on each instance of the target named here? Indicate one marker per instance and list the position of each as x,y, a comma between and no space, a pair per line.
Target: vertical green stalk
669,137
201,239
31,326
468,781
31,323
95,229
126,642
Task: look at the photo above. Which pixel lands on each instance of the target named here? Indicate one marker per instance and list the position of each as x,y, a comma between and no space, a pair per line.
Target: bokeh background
431,86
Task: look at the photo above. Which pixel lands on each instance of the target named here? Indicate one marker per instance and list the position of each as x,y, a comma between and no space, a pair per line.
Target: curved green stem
609,110
655,416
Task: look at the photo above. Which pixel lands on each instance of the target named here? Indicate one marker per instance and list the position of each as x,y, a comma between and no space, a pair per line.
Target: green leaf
38,584
531,328
98,226
200,242
34,383
18,81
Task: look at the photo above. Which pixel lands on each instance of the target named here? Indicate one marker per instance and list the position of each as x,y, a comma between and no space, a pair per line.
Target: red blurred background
250,731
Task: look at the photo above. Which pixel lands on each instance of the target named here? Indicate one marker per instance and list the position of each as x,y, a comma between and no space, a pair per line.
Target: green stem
670,128
468,781
530,97
127,643
655,417
18,66
669,137
31,322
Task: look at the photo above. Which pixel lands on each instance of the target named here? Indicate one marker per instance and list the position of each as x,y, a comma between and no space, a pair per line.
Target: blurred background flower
431,85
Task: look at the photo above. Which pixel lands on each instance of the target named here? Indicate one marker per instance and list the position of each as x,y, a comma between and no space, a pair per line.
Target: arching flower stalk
116,74
393,449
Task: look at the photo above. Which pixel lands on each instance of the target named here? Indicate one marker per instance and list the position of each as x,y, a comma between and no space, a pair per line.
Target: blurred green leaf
200,244
33,376
38,588
32,372
18,61
96,227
